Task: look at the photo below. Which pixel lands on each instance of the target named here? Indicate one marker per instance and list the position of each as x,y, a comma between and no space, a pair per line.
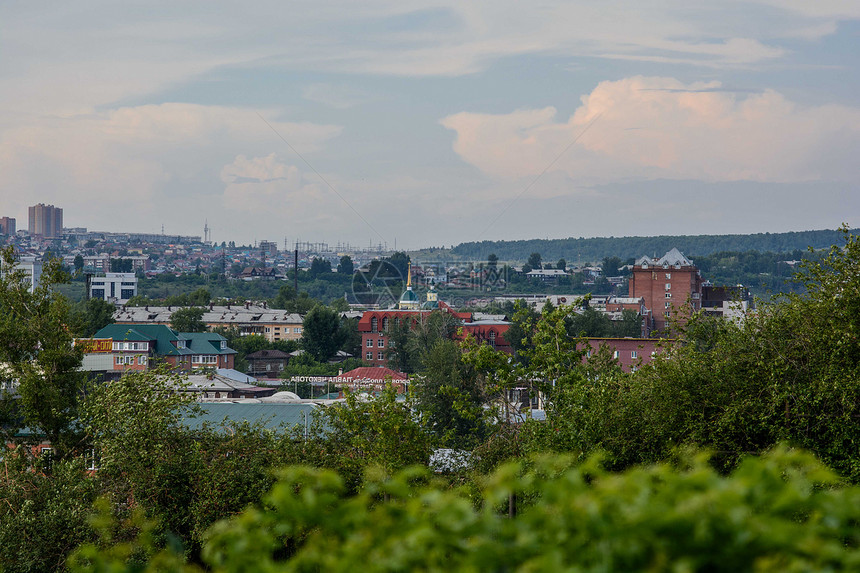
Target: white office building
114,287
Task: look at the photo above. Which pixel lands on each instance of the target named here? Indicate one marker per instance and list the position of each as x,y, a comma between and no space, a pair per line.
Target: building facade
376,326
271,323
31,269
45,221
117,288
120,348
7,226
671,287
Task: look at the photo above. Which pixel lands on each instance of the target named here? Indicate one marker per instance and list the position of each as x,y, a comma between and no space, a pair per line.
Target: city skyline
433,123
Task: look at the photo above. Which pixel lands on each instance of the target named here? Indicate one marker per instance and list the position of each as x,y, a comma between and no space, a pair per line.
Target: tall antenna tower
206,232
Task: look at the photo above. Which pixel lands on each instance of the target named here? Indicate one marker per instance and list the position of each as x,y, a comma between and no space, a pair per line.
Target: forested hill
594,249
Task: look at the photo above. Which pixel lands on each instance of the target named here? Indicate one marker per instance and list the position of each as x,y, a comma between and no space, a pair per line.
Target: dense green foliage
606,482
771,514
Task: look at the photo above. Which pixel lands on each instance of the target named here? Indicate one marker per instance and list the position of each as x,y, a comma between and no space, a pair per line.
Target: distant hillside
594,249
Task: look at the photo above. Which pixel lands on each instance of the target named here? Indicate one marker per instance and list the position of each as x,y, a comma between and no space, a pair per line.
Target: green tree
346,266
561,265
319,266
40,360
200,297
79,264
492,260
610,266
188,320
322,334
448,397
535,261
286,294
93,315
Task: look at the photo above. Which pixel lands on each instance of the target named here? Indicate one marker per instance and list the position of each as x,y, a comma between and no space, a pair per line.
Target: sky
430,123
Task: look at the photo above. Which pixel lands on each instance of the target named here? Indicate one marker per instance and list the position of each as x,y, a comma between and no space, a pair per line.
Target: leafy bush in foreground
781,512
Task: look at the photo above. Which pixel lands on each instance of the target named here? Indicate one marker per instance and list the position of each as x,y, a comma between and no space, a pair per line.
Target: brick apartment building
671,287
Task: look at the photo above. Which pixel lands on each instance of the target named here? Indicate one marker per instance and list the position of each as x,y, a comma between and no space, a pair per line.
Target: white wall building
32,269
114,287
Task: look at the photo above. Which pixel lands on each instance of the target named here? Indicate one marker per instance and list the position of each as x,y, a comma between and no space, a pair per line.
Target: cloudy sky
430,122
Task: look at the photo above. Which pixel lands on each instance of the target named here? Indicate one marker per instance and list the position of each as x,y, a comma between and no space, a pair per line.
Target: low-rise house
117,348
267,363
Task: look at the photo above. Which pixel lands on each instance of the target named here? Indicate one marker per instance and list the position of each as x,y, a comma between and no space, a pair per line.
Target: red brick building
671,287
375,326
631,353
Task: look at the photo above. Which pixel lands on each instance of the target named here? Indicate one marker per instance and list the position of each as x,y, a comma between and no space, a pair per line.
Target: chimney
247,305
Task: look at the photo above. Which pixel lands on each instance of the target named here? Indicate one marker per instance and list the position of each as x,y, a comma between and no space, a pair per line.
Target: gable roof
163,336
206,343
374,373
672,258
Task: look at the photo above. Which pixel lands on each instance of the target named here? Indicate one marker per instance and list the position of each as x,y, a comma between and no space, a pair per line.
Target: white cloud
661,127
136,160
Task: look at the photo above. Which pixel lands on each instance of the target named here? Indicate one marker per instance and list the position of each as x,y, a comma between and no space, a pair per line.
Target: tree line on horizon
595,249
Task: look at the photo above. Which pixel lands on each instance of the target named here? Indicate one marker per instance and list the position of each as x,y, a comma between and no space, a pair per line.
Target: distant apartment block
7,226
46,221
31,268
268,247
271,323
114,287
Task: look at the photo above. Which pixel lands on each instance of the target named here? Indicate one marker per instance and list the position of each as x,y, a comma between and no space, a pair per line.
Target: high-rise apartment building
7,226
46,221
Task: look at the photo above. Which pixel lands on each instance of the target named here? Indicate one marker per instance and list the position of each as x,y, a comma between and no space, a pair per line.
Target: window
131,346
369,355
123,360
297,330
374,324
390,344
369,343
668,286
141,359
668,304
181,343
634,355
381,343
667,314
223,345
668,295
204,359
615,354
385,324
380,355
492,338
668,276
268,330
